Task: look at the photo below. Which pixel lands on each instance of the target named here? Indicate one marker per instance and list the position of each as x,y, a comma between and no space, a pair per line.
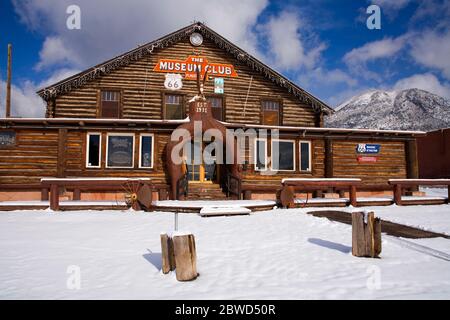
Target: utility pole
8,84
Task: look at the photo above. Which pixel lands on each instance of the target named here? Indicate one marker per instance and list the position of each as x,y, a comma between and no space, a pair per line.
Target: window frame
220,96
279,100
255,154
140,150
294,160
118,134
165,93
88,134
300,155
100,99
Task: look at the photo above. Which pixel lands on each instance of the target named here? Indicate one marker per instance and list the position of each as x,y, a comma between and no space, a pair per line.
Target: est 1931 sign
7,138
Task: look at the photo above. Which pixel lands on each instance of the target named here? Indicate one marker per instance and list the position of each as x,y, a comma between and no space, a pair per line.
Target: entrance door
197,169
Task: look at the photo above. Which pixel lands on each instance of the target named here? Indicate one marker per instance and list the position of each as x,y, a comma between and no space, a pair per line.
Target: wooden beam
61,164
8,82
412,165
328,158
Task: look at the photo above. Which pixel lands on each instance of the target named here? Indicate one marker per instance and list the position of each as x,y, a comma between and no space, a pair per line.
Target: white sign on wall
173,81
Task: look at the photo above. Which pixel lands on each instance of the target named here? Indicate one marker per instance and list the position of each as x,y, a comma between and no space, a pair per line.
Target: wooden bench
399,184
78,184
289,185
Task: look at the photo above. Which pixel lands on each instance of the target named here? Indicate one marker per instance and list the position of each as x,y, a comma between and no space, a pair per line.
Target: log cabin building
116,120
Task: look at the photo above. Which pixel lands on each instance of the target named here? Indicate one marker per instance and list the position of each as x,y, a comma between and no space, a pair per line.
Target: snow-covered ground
278,254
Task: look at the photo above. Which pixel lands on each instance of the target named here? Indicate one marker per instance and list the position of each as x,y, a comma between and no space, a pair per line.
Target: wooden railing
399,184
182,186
233,186
289,186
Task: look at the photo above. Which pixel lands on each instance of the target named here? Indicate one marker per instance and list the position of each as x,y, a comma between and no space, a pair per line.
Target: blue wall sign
368,148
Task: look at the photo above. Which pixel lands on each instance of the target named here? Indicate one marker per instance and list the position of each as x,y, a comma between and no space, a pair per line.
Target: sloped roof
107,67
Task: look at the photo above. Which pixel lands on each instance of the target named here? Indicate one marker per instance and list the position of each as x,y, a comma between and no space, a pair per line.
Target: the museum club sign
191,64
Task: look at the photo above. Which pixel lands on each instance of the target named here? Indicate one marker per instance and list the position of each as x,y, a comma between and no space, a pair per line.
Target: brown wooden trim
328,158
61,161
412,165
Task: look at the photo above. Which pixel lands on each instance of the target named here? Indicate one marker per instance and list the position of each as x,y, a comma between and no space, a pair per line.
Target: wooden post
287,196
366,236
167,253
398,194
247,195
61,162
185,257
76,194
328,158
162,194
448,193
412,163
54,197
44,194
8,82
352,195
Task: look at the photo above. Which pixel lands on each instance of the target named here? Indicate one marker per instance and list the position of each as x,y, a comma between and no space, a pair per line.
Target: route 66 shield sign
173,81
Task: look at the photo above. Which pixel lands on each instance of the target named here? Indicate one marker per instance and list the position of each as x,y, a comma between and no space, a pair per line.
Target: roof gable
107,67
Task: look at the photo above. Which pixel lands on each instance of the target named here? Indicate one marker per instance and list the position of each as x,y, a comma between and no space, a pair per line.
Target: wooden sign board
367,159
191,64
7,139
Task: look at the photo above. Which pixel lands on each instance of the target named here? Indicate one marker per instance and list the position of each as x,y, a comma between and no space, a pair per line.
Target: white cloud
24,100
427,82
288,47
432,49
391,5
379,49
55,52
112,28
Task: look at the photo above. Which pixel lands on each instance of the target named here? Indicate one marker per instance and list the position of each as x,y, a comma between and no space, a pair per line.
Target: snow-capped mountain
411,109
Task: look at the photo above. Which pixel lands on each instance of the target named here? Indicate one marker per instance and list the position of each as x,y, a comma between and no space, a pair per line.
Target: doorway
200,168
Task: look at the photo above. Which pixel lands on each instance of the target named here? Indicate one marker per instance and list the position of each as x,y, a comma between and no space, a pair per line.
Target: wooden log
54,197
287,196
44,194
185,257
352,195
167,254
76,194
162,194
398,194
366,236
358,241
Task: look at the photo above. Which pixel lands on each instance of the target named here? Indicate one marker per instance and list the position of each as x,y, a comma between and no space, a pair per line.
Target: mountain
410,109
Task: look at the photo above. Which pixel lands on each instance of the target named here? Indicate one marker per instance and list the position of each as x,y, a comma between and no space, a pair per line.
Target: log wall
142,90
391,161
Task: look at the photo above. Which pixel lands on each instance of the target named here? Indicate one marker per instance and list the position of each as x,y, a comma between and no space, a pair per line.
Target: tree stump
179,254
167,254
366,235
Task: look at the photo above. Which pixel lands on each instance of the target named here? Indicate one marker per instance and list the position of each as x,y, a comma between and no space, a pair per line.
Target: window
120,150
173,107
260,155
216,107
270,112
283,155
146,151
93,150
110,104
305,156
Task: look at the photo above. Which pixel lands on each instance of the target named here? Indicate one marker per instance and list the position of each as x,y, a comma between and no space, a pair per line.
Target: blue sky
322,45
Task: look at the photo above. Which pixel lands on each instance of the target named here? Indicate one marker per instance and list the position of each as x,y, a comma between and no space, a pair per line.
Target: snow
213,211
320,179
278,254
95,179
213,203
